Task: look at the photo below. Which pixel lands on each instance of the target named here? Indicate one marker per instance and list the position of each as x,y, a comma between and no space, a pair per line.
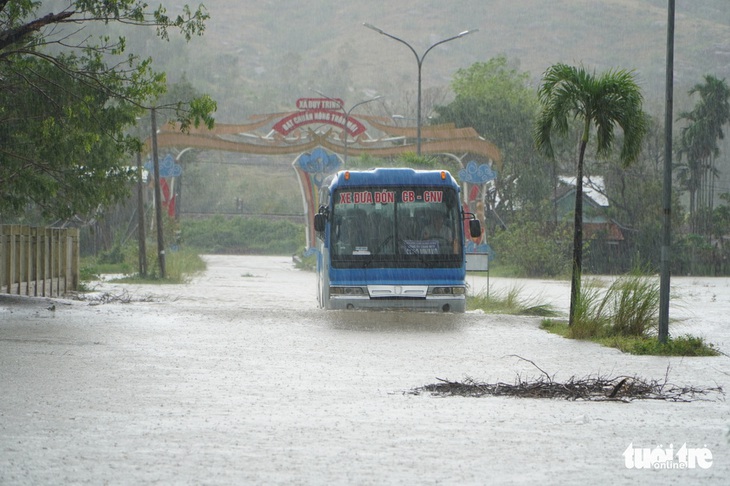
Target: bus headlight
347,291
448,290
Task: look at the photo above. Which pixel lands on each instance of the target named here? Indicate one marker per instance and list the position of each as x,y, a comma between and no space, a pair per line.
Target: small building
606,244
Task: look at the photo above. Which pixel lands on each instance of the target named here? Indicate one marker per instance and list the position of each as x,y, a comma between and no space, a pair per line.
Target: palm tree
698,144
602,102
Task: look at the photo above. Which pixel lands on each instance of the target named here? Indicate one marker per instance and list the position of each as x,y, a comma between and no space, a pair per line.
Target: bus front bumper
397,297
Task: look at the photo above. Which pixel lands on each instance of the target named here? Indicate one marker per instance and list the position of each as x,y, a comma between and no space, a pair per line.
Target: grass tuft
509,302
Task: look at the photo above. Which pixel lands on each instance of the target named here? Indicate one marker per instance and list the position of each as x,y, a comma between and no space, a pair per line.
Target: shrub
181,265
533,249
243,235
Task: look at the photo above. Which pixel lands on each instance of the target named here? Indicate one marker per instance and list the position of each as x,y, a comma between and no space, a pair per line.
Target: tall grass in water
591,318
509,302
625,316
182,265
629,307
635,300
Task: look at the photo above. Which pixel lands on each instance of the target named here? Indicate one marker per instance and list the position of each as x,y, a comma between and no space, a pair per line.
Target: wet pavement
237,378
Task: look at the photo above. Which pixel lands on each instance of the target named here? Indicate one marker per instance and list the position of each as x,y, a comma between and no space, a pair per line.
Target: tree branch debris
620,388
109,298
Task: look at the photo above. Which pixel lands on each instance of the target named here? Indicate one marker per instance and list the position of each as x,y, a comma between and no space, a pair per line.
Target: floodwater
238,378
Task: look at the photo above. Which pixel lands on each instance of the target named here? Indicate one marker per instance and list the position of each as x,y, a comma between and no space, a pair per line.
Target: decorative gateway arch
319,131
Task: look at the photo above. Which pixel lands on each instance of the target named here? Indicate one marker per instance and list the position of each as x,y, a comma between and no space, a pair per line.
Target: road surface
237,378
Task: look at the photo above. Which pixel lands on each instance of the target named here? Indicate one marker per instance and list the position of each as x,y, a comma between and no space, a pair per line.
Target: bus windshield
395,227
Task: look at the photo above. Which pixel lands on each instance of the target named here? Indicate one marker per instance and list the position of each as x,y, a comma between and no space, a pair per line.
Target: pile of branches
622,388
109,298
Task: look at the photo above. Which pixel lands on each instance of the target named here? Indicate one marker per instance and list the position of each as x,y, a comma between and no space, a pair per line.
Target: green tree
67,98
533,248
698,146
496,99
52,154
634,194
602,102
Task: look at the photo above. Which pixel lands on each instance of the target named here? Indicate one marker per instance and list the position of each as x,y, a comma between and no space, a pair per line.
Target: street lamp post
419,60
347,114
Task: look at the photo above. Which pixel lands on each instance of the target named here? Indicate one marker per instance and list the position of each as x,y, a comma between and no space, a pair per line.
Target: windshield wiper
376,251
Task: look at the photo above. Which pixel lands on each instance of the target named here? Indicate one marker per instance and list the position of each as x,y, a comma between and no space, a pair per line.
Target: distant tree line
500,103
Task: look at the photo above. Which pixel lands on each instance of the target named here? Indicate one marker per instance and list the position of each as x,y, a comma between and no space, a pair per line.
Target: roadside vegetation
180,266
625,316
641,345
188,240
509,302
239,235
531,249
622,315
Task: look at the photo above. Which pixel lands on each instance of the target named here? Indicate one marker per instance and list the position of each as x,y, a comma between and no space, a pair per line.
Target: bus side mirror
475,228
319,220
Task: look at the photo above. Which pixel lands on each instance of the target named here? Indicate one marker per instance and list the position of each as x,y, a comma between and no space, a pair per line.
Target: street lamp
419,60
347,113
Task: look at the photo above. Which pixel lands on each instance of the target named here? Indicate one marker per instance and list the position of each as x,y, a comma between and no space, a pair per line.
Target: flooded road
238,378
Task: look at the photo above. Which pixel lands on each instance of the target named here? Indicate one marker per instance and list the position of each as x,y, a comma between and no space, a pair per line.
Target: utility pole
158,196
667,188
142,250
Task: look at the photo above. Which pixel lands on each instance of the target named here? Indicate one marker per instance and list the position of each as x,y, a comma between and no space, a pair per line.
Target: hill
259,56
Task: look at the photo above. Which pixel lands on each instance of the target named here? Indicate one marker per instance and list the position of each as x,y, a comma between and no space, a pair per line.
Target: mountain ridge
259,56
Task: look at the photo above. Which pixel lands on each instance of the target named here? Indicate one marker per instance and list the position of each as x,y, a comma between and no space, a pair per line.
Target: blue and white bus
392,239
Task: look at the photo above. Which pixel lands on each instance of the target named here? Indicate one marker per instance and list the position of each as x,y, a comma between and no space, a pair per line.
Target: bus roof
393,177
